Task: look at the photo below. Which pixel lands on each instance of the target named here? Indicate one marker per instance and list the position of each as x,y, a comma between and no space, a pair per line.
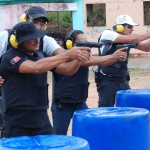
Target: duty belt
100,76
61,104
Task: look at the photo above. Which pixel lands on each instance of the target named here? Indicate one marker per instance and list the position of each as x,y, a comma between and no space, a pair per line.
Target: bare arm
58,51
119,55
70,67
49,63
42,65
144,45
132,38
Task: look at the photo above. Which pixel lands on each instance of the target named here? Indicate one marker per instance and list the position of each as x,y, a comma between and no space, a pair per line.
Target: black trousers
12,131
107,88
62,115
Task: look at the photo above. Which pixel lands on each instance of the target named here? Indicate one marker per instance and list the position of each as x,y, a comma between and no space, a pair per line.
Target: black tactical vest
72,89
118,69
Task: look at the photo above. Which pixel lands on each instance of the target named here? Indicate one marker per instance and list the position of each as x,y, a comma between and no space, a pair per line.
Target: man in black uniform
39,17
70,92
25,90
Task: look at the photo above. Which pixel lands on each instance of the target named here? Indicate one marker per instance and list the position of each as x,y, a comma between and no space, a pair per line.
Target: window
146,12
96,14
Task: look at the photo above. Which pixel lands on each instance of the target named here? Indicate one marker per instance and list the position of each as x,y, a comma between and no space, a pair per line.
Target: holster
99,76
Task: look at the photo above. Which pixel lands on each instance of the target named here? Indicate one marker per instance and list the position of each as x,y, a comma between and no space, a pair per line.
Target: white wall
114,8
10,14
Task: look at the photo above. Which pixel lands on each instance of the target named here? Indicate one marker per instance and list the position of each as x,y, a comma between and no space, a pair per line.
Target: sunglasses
129,26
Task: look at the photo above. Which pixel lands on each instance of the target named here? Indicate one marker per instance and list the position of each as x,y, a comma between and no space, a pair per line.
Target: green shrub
52,16
65,19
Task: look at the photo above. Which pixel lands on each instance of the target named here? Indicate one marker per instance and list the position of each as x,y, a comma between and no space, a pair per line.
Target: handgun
131,45
88,44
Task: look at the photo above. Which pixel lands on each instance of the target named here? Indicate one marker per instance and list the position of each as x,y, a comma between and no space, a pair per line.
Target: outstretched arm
49,63
119,55
144,45
132,38
71,67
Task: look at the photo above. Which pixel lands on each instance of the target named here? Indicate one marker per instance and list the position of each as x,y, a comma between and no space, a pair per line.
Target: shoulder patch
15,60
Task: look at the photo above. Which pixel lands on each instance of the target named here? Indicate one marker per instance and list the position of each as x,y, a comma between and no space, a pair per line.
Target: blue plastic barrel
44,142
113,128
133,98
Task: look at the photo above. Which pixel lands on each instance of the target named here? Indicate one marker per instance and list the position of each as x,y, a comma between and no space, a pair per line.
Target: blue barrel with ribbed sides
133,98
44,142
113,128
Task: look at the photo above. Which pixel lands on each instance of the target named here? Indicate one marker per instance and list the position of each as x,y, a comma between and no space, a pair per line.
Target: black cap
27,31
37,12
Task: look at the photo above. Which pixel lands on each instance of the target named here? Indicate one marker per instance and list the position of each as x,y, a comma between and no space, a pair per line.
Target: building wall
10,14
114,8
78,16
